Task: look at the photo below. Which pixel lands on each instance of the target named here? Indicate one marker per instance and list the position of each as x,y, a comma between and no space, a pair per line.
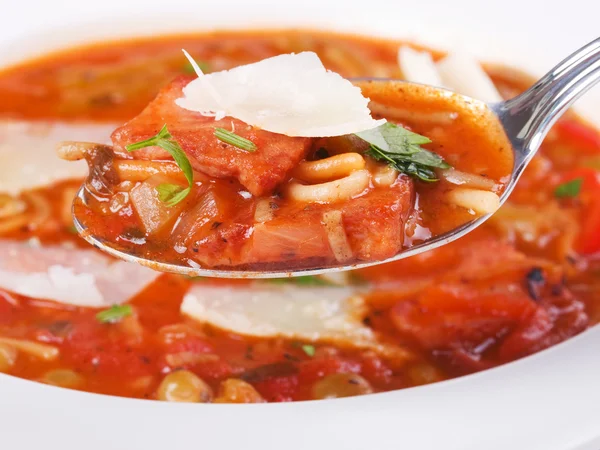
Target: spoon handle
528,117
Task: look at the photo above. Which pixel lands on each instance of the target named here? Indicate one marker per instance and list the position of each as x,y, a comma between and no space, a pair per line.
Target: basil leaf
569,189
188,69
114,314
171,194
309,350
402,150
168,193
306,280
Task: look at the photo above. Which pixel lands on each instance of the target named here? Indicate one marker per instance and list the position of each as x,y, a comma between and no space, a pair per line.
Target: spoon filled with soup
281,167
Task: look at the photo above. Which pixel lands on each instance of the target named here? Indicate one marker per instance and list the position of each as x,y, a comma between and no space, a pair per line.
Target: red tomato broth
448,309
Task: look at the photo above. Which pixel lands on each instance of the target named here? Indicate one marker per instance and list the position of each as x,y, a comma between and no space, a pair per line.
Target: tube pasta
332,191
336,235
42,351
139,170
481,202
327,169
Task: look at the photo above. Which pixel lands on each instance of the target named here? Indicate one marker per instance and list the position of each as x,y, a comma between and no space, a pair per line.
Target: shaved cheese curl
418,66
290,94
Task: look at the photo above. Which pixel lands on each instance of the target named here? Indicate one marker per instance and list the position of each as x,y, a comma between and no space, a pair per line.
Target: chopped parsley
307,280
168,193
114,314
189,69
309,350
230,137
402,150
569,189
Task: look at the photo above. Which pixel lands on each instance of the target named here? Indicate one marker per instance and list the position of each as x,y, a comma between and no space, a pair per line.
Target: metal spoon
526,119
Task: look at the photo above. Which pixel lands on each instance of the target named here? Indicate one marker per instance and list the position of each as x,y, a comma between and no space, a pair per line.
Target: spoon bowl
526,120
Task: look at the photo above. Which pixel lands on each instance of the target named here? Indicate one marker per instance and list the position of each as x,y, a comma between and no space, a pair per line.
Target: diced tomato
215,370
92,348
589,236
315,369
190,343
278,389
558,318
6,308
586,136
461,319
374,369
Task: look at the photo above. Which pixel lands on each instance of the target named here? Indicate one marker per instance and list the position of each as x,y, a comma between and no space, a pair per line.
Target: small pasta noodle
32,348
349,178
469,180
479,201
40,211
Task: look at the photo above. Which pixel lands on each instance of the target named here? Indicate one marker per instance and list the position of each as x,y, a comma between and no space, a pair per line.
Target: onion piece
154,214
264,210
336,235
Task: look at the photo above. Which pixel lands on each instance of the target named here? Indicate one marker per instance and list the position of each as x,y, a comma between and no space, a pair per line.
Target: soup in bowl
73,317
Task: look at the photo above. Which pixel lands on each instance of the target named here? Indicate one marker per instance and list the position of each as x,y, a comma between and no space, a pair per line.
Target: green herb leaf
307,280
164,141
309,350
237,141
402,150
114,314
188,69
171,194
569,189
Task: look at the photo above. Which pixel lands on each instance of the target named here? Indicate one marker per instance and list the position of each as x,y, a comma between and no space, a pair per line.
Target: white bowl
549,401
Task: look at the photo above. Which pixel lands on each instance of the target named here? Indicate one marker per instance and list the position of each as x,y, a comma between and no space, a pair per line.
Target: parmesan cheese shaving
290,94
70,276
310,314
27,156
418,67
463,74
457,71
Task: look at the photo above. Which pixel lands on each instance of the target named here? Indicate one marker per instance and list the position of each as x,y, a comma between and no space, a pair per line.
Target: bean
237,391
184,386
8,357
63,378
341,385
